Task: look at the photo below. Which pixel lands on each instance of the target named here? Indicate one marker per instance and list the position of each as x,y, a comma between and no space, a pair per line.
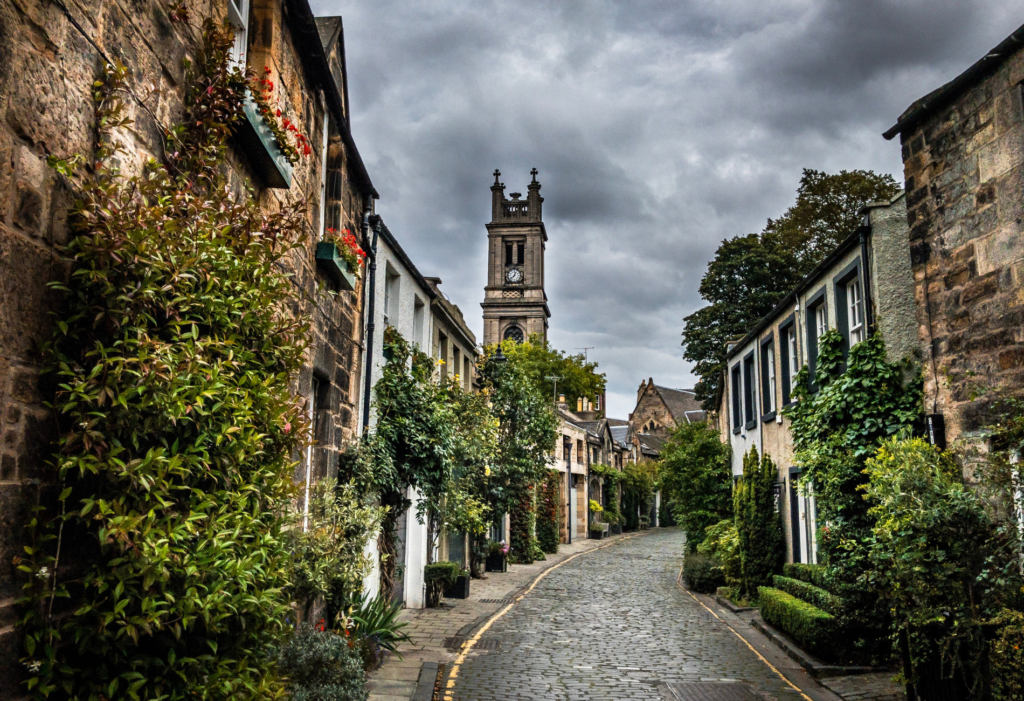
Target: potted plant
597,530
460,589
438,577
340,256
496,554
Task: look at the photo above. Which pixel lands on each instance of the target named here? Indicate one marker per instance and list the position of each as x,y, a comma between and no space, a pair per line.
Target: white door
572,508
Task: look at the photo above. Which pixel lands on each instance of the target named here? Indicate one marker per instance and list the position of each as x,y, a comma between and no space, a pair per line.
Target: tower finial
497,174
534,174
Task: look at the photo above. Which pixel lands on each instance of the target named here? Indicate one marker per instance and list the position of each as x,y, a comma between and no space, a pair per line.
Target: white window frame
794,365
771,377
238,15
313,396
820,320
854,312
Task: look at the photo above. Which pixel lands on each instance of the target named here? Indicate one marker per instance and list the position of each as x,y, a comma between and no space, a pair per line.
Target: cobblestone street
613,624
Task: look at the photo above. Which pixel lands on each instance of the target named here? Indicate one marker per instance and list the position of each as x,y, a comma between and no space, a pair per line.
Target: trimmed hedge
812,628
812,574
701,573
816,596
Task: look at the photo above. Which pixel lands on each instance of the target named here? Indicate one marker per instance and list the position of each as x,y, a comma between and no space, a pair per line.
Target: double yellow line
468,645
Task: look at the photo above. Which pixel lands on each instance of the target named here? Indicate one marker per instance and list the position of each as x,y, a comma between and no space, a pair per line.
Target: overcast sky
659,128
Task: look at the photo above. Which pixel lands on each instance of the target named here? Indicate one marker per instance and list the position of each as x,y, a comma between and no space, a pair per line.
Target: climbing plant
173,358
547,513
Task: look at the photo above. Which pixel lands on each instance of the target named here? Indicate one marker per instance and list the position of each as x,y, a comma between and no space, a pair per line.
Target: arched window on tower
514,333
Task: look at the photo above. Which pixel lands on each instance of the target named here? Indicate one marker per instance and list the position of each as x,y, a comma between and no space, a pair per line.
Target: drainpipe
371,284
865,235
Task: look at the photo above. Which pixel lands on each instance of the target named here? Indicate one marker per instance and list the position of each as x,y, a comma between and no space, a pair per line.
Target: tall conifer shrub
759,527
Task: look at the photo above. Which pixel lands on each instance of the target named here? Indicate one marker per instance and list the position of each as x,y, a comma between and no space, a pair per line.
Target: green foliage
637,482
695,475
814,629
758,527
438,577
1006,656
751,273
666,515
701,573
522,531
722,542
931,547
579,377
547,513
328,561
374,628
812,574
830,603
173,359
322,666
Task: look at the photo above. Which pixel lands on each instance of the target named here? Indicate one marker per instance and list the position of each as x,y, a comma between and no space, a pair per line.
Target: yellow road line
745,642
468,645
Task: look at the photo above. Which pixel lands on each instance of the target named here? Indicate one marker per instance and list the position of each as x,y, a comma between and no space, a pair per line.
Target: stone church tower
515,305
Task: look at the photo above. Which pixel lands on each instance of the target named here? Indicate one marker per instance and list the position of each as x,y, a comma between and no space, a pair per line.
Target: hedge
812,628
816,596
812,574
702,573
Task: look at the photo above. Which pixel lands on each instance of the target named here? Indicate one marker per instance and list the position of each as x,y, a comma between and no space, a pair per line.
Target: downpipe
371,284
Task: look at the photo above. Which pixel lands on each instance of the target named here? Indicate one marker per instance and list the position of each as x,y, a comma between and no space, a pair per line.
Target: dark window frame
767,348
749,395
839,283
785,372
737,411
818,299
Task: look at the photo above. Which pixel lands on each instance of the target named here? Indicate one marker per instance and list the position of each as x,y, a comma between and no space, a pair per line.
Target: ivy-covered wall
47,68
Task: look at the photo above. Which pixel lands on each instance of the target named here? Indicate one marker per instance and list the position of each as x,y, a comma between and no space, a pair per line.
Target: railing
515,210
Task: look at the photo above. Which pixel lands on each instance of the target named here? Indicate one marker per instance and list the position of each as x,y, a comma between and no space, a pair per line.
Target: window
566,449
314,420
854,311
748,392
737,422
508,254
442,353
419,314
817,324
520,253
515,252
794,362
238,15
391,290
467,376
787,357
579,451
768,376
514,333
820,321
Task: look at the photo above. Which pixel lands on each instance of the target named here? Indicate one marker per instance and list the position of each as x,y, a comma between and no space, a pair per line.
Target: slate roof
679,402
619,433
617,422
650,444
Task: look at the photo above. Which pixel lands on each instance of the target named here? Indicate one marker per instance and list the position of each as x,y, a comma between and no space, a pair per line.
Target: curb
730,606
814,667
425,684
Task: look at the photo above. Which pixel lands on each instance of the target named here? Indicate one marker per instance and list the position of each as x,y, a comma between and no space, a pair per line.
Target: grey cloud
660,127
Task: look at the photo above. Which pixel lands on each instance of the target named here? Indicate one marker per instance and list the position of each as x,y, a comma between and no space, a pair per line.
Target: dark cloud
660,127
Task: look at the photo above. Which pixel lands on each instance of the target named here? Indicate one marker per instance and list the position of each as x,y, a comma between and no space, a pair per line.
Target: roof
619,433
650,444
617,422
678,401
937,99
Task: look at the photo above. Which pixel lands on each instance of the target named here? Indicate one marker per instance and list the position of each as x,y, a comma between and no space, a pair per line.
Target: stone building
453,341
515,304
572,459
659,410
862,286
963,158
50,54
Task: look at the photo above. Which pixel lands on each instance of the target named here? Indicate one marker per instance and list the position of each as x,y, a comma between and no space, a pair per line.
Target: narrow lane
611,624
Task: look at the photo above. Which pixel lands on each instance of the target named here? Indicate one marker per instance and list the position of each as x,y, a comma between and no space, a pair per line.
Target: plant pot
459,590
597,535
616,529
334,266
496,563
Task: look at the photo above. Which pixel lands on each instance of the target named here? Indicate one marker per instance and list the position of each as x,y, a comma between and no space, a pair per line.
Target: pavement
608,620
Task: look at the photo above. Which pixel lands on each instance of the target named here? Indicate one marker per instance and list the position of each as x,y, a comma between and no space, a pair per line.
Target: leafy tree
637,482
696,477
751,273
173,360
547,512
762,547
539,361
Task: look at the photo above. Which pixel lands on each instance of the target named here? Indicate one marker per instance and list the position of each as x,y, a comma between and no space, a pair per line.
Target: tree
579,378
750,274
637,492
762,547
696,477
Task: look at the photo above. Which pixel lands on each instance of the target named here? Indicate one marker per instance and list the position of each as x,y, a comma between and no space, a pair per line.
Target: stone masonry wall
964,168
46,70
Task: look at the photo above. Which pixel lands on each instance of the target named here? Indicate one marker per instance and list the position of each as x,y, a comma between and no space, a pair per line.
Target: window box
330,261
260,145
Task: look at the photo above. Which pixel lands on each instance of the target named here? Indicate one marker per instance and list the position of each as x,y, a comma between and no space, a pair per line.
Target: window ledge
768,418
260,146
750,424
736,431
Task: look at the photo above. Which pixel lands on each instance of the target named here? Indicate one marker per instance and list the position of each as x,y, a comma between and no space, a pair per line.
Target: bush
722,543
814,629
816,596
665,517
547,513
701,573
812,574
438,577
696,479
1006,657
762,547
322,666
375,629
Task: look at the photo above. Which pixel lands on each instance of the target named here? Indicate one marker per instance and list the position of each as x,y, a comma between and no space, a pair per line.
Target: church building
515,304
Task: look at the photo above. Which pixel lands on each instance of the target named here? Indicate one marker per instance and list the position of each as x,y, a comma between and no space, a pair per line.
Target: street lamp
499,357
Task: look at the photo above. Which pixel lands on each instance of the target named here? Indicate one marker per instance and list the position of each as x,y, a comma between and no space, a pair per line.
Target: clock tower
515,305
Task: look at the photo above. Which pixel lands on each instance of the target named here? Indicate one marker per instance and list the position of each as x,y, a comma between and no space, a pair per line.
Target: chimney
579,404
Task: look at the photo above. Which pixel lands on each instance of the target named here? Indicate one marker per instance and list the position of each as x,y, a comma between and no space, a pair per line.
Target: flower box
597,534
459,590
334,266
497,563
260,145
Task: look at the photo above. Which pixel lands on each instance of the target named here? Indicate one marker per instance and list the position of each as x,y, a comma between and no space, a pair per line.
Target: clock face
514,275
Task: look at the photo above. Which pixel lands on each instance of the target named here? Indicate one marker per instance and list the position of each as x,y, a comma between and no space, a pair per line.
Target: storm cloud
660,127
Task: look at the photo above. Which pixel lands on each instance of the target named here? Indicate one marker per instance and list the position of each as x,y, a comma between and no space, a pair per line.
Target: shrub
322,666
723,543
438,577
1006,657
702,573
812,574
816,596
762,547
695,477
808,625
375,629
547,513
